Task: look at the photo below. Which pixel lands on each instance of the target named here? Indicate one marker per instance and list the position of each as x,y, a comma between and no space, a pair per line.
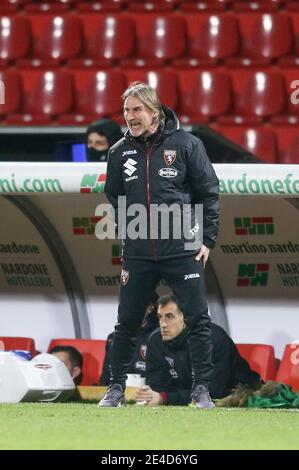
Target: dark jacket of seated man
168,371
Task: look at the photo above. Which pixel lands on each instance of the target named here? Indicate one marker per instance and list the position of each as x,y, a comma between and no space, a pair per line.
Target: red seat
8,343
46,95
108,38
56,39
204,95
261,359
264,38
259,5
257,96
152,5
292,60
211,38
260,141
11,5
98,94
290,115
288,143
12,92
200,6
93,351
110,6
159,39
288,372
15,38
55,6
164,82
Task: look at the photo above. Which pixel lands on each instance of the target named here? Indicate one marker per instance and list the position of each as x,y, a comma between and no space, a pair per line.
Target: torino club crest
124,277
169,156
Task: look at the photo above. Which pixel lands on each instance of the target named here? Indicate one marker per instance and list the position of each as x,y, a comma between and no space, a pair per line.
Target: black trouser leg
135,296
186,279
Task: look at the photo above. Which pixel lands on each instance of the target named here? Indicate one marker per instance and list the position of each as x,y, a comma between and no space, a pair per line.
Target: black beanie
107,127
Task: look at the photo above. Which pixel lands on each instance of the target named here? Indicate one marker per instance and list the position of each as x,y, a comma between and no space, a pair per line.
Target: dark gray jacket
170,167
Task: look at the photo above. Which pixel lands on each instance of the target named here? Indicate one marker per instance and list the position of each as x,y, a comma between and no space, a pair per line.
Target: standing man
158,163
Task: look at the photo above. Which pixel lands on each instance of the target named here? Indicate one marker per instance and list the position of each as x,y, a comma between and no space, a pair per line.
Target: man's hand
146,394
203,254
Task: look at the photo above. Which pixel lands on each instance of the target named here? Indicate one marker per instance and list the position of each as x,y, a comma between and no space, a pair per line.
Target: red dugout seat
265,37
104,6
261,359
98,94
211,39
46,94
290,114
152,5
93,351
257,5
12,92
56,39
204,95
288,372
17,342
15,39
292,60
54,6
260,141
11,6
107,38
160,39
288,143
257,96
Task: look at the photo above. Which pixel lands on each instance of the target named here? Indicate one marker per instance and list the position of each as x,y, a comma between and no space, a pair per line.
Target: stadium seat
8,343
264,39
257,96
152,5
12,92
261,359
288,372
160,39
260,141
260,5
211,39
204,95
292,6
292,60
54,6
56,39
93,351
13,4
98,94
102,6
164,82
46,94
15,39
290,114
288,143
108,38
200,6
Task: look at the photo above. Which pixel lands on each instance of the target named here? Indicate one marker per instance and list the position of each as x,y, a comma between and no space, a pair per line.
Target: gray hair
147,95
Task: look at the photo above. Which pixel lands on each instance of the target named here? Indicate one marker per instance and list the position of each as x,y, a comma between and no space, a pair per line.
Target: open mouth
135,126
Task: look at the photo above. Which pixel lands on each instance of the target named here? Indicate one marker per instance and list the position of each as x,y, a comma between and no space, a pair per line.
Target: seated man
168,371
100,136
73,360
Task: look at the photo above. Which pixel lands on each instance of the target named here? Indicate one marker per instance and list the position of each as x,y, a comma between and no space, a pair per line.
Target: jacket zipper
148,192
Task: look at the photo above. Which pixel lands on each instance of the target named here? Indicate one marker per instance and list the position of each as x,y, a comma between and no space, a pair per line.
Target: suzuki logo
129,165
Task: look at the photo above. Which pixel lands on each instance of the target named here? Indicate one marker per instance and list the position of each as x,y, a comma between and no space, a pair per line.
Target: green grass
84,426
